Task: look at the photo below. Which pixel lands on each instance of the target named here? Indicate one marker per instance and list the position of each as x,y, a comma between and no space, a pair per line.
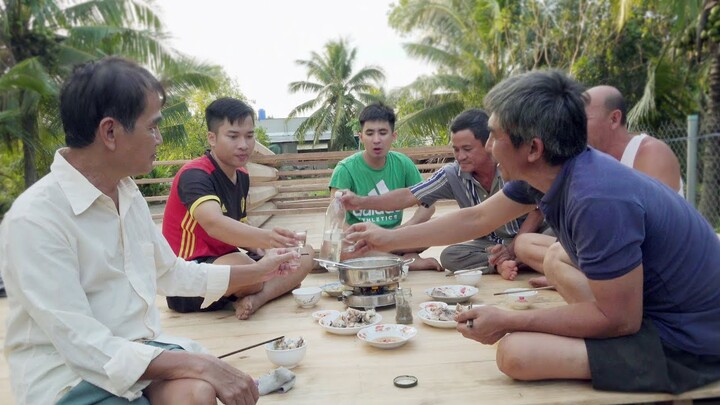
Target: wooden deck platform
343,370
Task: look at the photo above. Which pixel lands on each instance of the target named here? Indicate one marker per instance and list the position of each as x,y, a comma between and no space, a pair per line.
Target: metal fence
696,144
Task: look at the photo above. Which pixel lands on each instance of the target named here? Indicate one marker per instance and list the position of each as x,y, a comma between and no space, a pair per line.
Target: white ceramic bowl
520,300
333,289
468,277
285,358
387,336
327,320
307,297
458,293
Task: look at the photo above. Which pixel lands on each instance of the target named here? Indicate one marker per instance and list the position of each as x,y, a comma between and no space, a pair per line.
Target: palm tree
340,94
463,40
41,40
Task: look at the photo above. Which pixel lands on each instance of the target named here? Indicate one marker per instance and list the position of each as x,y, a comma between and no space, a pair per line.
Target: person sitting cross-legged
607,132
378,170
83,263
471,179
641,311
205,218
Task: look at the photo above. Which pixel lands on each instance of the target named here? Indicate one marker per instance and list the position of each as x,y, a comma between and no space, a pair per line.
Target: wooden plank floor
340,369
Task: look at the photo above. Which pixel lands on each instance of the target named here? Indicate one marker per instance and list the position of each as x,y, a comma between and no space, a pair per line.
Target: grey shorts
641,363
86,393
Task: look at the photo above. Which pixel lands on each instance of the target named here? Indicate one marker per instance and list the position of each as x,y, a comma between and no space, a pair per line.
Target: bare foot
508,269
246,306
539,282
426,264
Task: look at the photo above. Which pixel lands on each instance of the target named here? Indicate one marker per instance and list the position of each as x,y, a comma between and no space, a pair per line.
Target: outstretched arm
422,214
455,227
209,215
394,200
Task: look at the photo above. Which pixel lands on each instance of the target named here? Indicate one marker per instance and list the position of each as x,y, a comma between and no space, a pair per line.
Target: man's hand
231,385
351,201
500,253
487,324
279,238
368,236
279,262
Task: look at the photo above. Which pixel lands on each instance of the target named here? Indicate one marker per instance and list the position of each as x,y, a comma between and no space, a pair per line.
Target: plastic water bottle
332,232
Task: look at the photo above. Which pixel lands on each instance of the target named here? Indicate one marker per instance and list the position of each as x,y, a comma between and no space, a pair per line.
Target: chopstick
250,347
547,287
464,271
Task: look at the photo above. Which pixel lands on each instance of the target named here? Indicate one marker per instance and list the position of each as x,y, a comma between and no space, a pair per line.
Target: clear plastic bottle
332,232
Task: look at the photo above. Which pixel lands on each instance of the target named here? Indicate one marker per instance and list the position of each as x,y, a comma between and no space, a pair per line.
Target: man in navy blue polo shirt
638,266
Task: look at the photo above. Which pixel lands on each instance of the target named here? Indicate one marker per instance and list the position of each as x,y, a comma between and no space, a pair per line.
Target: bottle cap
405,381
338,194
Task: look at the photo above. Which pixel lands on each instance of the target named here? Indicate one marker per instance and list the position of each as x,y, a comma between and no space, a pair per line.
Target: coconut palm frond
339,92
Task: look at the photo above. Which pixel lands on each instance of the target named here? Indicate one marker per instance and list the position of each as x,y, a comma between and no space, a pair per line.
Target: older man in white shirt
83,263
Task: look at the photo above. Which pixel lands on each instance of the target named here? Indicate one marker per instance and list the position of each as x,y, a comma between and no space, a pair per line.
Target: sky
258,42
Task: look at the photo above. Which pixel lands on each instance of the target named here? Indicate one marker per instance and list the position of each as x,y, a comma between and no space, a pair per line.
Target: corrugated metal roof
281,130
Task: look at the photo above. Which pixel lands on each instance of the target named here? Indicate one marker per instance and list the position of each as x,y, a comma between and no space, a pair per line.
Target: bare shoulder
656,159
653,148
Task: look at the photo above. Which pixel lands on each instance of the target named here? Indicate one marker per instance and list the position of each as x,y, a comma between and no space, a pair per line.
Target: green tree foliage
692,47
340,93
476,43
40,42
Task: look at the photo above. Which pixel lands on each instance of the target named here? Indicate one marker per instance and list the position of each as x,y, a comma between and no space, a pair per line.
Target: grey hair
542,104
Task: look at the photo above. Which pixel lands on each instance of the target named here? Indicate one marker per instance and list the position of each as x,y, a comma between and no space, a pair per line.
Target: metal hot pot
373,280
371,271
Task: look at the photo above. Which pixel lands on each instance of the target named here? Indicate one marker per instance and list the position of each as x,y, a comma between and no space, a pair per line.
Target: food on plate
432,304
388,339
448,292
353,318
445,313
288,343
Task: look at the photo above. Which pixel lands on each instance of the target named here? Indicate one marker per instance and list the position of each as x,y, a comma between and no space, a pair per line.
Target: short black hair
474,119
228,108
109,87
542,104
377,112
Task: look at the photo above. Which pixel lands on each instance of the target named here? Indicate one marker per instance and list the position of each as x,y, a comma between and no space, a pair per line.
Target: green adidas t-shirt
354,174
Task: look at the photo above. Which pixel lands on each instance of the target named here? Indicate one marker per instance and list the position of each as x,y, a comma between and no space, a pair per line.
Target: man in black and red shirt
205,217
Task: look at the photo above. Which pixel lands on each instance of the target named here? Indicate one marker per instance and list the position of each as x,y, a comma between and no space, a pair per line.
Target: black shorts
192,304
641,363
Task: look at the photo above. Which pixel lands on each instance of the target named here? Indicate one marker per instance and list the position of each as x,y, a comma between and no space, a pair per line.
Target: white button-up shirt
82,279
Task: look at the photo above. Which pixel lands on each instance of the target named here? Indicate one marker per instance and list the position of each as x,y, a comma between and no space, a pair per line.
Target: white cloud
257,42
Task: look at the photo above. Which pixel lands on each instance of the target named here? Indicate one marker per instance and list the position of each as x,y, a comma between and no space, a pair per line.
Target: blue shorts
86,393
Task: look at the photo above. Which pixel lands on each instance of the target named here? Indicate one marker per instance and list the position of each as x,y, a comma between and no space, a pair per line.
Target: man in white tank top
607,132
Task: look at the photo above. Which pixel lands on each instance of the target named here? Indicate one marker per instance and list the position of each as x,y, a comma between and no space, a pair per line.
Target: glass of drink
301,238
346,245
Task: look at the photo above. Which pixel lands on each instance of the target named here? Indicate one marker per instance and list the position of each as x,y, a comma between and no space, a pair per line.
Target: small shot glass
301,238
346,245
